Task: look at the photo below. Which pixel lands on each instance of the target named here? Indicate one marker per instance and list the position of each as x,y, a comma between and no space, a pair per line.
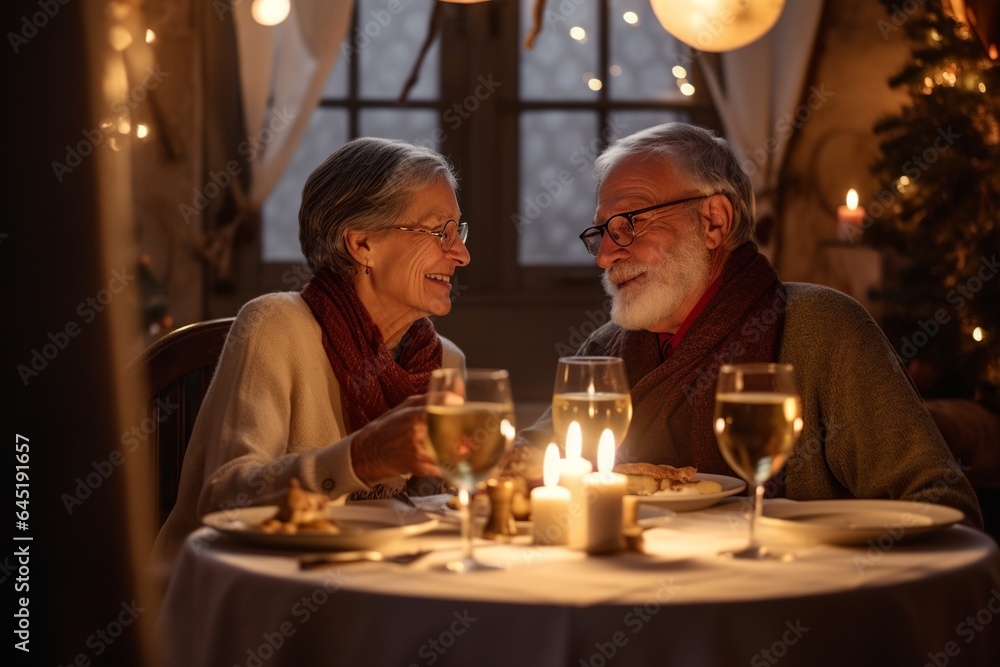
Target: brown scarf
673,401
371,381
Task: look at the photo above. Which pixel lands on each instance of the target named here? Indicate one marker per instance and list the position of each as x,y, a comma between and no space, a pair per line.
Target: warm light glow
550,467
595,84
852,199
720,425
141,131
994,54
615,70
717,25
574,442
687,89
150,36
929,82
270,12
679,72
507,429
119,38
935,35
982,87
904,180
606,451
631,18
977,334
124,127
578,33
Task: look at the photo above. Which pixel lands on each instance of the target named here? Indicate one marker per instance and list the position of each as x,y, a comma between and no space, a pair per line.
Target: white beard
682,271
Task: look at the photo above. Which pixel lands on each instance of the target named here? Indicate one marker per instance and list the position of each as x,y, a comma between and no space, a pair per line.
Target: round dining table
932,600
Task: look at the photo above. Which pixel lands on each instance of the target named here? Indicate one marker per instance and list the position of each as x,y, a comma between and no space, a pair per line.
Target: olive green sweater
867,433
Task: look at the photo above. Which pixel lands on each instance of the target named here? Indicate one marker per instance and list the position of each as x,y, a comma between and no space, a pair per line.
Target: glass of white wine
594,392
758,419
470,423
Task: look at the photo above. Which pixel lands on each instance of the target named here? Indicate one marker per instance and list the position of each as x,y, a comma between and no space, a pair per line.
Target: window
523,129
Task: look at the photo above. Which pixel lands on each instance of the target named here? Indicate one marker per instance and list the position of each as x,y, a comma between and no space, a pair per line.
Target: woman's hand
396,443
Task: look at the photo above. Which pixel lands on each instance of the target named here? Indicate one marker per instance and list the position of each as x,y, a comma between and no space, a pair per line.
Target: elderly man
690,292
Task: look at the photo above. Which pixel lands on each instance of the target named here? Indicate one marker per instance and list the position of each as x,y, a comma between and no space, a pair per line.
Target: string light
270,12
150,36
977,334
982,87
687,89
141,131
595,84
679,72
631,18
615,70
578,33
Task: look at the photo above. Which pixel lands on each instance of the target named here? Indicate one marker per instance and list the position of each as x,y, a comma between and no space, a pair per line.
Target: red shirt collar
669,342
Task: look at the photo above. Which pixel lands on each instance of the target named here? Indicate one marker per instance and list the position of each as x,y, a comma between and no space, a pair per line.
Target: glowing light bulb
270,12
141,131
679,72
687,89
150,36
631,18
977,334
595,84
578,33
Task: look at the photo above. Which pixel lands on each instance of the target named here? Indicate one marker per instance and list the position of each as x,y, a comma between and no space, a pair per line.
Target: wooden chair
179,367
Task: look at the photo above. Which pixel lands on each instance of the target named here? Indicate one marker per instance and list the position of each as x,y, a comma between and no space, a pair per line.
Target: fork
313,561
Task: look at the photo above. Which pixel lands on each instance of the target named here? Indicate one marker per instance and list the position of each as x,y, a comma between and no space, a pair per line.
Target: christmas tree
936,214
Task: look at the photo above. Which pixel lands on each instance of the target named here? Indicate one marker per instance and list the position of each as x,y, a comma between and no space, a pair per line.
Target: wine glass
594,392
758,418
470,423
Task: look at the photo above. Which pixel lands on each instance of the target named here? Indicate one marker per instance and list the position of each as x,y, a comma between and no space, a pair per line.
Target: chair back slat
179,368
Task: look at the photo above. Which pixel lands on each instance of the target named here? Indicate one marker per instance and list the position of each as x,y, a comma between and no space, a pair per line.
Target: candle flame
574,442
590,388
606,451
550,468
852,199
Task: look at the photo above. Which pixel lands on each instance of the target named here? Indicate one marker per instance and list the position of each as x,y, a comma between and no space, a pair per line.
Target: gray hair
366,184
699,154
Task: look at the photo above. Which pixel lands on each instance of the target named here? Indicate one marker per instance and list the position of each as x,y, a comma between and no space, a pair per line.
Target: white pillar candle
604,492
550,504
571,472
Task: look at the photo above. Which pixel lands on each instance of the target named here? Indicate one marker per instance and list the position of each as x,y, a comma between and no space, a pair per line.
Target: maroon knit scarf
371,381
673,401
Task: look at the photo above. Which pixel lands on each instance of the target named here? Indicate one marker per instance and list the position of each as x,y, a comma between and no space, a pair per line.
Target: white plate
690,503
856,521
360,527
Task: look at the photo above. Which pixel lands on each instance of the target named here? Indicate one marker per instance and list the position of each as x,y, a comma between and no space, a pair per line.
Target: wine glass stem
465,502
758,510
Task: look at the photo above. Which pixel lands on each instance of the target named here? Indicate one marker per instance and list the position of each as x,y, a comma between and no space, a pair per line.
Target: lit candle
571,472
604,491
850,217
550,504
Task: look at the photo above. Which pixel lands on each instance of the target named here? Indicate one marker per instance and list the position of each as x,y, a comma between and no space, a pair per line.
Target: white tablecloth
933,601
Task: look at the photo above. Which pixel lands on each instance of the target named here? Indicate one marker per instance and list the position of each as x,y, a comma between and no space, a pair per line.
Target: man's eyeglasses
621,228
452,232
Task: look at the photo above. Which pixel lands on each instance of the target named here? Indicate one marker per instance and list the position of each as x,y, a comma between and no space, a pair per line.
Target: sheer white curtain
282,76
761,92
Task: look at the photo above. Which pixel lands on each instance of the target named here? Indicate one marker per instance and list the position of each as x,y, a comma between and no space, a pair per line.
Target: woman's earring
367,270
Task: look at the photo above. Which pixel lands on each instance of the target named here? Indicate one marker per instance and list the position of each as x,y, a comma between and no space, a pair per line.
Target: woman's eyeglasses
452,231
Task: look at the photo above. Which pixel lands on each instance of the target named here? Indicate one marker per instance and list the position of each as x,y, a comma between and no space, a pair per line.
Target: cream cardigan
272,412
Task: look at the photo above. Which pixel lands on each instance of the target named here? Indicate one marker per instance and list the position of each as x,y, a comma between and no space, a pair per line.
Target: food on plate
646,479
302,512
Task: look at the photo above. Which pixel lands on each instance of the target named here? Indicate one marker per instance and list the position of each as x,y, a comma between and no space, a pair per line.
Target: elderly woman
315,384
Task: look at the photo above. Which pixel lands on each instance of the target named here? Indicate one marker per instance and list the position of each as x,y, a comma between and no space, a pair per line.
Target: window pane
336,85
416,126
389,44
631,122
642,54
557,197
560,66
326,133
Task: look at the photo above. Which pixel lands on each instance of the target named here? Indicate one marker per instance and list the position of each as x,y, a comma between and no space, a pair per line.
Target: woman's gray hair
366,184
700,155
